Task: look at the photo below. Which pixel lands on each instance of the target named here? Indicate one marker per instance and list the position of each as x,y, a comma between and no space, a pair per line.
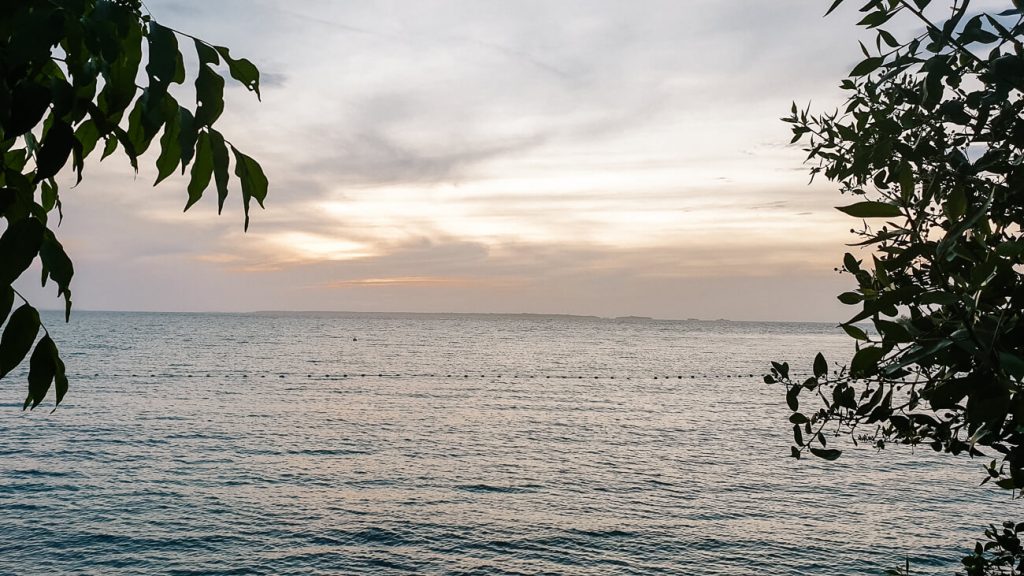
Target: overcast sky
592,157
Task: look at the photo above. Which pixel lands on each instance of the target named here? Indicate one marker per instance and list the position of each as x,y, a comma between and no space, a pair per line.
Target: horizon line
409,313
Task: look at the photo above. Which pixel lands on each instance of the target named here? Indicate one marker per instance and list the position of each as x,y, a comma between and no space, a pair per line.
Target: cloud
580,156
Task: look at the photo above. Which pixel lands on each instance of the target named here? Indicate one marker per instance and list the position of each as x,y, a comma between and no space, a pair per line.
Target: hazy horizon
301,312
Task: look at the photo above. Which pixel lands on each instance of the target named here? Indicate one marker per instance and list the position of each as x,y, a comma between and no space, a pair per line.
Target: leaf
18,336
60,378
941,298
19,246
906,180
202,170
6,302
850,263
850,298
254,182
826,453
1007,484
867,66
209,96
791,398
870,210
820,366
219,152
854,332
186,136
108,147
170,145
865,361
1010,249
58,266
29,103
888,38
1012,364
834,5
782,368
163,55
41,371
55,149
47,196
206,53
88,135
242,70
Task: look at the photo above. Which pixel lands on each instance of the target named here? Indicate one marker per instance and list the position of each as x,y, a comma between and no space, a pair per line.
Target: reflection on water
231,444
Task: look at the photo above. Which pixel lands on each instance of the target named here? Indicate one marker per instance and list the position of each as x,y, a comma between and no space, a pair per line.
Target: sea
350,443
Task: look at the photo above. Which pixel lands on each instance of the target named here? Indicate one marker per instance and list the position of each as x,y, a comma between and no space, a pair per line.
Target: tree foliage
930,147
70,73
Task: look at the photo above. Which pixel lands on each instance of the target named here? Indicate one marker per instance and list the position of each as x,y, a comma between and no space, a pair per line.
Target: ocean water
454,444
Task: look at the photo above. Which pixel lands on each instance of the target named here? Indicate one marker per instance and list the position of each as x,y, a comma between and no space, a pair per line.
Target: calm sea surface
451,444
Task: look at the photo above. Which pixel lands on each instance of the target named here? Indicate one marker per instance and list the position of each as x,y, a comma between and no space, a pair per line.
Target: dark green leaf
854,332
41,371
6,302
254,183
186,136
206,53
163,55
791,398
850,298
209,96
59,267
55,149
18,336
867,66
29,102
241,70
826,453
202,170
88,135
219,153
870,210
170,145
820,366
19,246
865,361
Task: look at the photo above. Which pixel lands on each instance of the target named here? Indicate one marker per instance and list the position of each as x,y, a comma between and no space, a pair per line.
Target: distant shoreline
480,315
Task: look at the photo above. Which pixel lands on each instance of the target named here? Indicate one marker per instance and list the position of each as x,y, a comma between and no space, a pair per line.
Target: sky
594,157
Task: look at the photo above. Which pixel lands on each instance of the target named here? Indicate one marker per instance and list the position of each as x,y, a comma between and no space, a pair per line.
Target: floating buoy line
435,375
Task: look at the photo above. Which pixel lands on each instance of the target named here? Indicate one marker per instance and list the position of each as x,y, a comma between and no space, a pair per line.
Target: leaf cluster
68,89
930,146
